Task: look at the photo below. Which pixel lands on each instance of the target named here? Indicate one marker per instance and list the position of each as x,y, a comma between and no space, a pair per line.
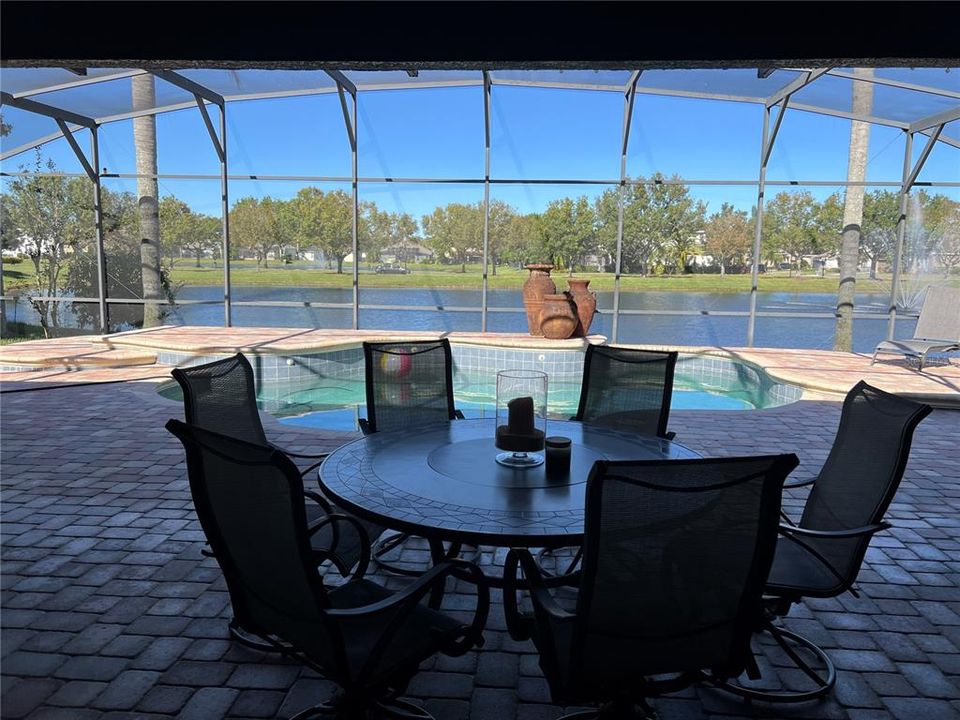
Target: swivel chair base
822,680
617,710
340,709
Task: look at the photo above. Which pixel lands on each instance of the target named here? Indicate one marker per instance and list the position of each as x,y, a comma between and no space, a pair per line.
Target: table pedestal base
520,460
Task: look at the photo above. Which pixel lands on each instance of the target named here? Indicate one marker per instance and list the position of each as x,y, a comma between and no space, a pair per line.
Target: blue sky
535,134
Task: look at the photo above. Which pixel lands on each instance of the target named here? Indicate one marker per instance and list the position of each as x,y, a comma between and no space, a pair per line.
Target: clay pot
535,288
558,317
586,302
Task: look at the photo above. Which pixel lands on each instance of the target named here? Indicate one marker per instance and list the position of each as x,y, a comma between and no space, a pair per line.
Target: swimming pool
326,390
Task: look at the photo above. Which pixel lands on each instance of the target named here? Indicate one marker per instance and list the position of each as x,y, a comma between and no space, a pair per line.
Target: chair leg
823,680
546,552
320,710
249,639
616,710
403,710
345,706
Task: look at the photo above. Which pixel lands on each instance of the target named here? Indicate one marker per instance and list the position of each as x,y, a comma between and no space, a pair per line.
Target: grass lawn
446,276
244,273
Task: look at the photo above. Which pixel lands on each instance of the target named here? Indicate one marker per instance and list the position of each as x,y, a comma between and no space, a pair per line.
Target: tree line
50,220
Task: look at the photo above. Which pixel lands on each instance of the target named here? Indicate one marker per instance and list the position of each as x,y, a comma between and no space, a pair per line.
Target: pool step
73,353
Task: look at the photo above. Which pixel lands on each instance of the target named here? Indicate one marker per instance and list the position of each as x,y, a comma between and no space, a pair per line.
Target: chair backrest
249,500
408,384
627,388
221,396
940,315
861,473
676,555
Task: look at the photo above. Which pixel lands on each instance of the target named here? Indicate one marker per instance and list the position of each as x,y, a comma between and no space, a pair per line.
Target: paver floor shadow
110,610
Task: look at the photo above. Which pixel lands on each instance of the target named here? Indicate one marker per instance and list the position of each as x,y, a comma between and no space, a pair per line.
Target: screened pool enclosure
400,153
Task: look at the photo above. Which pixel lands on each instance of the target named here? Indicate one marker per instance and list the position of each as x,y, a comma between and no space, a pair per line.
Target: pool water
336,404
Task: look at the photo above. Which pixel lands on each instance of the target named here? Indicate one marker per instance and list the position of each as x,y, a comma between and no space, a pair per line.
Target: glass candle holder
521,417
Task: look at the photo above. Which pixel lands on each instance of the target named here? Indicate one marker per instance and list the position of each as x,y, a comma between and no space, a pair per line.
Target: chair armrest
458,414
835,534
520,626
414,592
319,500
364,562
794,535
402,603
800,483
328,509
284,450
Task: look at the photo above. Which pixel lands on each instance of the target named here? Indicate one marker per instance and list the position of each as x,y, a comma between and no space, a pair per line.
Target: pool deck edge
823,374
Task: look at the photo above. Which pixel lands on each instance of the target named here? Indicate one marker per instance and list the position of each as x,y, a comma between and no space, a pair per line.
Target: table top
442,481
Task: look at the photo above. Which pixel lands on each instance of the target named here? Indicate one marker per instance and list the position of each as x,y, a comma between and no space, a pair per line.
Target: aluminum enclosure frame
931,126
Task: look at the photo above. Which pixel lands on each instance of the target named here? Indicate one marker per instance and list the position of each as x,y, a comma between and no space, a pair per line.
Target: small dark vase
535,288
586,302
558,317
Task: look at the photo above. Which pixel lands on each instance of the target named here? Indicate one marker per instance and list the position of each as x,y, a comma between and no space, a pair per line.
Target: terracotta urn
558,317
586,302
535,288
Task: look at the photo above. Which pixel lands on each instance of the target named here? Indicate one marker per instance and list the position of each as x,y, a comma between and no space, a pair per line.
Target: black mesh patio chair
821,555
624,389
340,539
250,503
221,396
676,554
408,384
937,331
627,389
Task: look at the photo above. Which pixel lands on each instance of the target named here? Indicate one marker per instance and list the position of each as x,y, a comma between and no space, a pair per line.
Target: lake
676,330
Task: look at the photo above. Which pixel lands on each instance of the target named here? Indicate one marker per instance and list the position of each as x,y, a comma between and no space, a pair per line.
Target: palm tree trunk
145,145
853,211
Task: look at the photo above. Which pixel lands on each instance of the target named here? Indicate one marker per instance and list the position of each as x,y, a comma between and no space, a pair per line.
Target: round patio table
442,482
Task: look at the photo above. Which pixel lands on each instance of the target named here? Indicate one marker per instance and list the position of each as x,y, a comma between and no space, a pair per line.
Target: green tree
324,220
878,234
184,231
567,232
403,232
255,226
728,236
673,218
500,226
50,219
454,232
121,241
642,247
793,226
520,241
942,224
335,226
374,231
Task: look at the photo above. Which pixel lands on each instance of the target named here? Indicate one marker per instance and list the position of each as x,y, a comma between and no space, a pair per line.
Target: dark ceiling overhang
460,35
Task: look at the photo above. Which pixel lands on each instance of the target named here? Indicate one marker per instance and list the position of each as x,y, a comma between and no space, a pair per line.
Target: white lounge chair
938,328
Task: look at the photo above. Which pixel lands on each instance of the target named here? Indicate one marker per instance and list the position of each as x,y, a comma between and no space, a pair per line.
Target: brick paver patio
109,609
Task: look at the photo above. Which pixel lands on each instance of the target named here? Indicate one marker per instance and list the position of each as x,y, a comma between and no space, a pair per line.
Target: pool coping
822,374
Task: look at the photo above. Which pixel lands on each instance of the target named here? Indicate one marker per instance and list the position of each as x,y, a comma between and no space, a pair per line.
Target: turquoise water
335,404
